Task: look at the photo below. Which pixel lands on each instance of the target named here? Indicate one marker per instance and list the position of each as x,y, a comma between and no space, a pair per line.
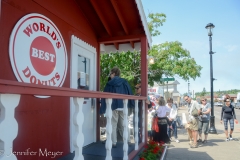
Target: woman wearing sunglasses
228,114
203,118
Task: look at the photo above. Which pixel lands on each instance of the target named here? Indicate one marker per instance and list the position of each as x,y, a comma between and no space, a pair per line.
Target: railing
10,94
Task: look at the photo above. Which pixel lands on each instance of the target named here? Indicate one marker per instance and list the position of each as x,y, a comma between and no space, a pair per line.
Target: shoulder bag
194,112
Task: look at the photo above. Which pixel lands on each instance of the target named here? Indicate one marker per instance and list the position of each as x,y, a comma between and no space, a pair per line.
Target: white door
83,77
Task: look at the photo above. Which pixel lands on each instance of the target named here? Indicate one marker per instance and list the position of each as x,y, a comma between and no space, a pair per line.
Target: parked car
237,106
219,104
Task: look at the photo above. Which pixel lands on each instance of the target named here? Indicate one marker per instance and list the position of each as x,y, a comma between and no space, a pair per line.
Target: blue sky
186,21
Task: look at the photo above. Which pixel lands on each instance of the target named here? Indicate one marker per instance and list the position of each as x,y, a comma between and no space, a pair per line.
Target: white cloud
231,48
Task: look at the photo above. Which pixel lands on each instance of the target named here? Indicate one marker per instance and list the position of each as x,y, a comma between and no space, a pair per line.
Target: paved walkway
215,149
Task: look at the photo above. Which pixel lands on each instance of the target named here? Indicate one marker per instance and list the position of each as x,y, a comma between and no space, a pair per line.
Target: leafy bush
152,151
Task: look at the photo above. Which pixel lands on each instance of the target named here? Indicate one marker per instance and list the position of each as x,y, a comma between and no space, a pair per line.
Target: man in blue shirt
120,86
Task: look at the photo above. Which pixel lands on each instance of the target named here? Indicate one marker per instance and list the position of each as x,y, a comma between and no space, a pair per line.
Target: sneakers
200,140
230,137
176,140
227,139
205,141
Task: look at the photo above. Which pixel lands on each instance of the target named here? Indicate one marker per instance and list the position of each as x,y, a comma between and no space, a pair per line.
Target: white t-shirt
162,110
150,116
173,112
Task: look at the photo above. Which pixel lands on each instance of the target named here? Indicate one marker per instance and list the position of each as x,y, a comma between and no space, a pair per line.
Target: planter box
164,154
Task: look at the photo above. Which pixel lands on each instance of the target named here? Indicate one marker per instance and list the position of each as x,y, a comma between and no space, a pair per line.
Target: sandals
194,146
190,143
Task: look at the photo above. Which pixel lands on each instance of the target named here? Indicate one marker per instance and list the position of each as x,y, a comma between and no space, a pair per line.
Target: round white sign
37,51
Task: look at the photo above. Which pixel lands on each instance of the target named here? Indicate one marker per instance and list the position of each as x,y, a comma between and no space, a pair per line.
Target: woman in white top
162,112
172,118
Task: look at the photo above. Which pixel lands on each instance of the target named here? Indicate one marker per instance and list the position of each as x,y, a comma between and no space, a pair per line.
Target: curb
163,156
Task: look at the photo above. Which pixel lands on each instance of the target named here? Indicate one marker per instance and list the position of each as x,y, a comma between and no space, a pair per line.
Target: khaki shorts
194,125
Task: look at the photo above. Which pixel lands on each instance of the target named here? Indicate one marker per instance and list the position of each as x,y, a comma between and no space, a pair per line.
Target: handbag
187,126
194,112
155,124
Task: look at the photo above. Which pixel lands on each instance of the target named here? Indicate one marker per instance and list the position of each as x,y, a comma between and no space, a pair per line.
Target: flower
153,150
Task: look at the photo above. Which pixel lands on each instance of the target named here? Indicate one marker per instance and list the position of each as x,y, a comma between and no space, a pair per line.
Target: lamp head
151,60
210,27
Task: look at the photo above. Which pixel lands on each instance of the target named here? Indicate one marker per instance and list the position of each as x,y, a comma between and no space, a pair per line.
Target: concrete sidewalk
215,149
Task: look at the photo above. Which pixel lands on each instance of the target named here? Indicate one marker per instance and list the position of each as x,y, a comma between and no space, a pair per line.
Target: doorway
83,77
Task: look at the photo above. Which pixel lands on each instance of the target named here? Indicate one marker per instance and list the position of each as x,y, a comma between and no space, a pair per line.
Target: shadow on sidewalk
184,153
220,131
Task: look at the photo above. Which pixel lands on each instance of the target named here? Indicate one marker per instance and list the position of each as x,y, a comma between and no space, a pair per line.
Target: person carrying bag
155,124
194,110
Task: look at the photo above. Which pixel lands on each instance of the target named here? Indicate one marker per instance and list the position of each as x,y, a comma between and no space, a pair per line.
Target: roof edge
144,21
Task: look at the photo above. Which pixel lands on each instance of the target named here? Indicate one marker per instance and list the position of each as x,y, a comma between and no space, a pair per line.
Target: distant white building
166,89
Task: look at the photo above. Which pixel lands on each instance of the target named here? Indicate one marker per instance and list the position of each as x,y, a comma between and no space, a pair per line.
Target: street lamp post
212,128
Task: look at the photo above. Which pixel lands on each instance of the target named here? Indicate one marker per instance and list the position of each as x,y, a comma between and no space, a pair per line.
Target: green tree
220,93
128,63
203,93
170,59
155,21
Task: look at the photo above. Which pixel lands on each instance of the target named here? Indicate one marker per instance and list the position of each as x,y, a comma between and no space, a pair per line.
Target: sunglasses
137,87
203,100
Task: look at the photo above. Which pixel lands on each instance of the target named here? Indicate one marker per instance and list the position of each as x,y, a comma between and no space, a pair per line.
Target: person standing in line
228,115
204,117
120,86
172,118
138,93
151,112
193,120
162,112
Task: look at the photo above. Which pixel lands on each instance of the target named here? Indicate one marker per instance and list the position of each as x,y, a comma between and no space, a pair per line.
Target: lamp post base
212,129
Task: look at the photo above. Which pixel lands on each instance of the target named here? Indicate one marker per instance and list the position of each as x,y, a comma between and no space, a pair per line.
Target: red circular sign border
64,75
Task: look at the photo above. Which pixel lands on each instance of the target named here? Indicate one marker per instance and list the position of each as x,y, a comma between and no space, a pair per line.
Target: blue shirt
120,86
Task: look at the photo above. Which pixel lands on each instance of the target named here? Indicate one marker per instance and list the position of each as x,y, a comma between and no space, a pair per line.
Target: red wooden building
49,74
